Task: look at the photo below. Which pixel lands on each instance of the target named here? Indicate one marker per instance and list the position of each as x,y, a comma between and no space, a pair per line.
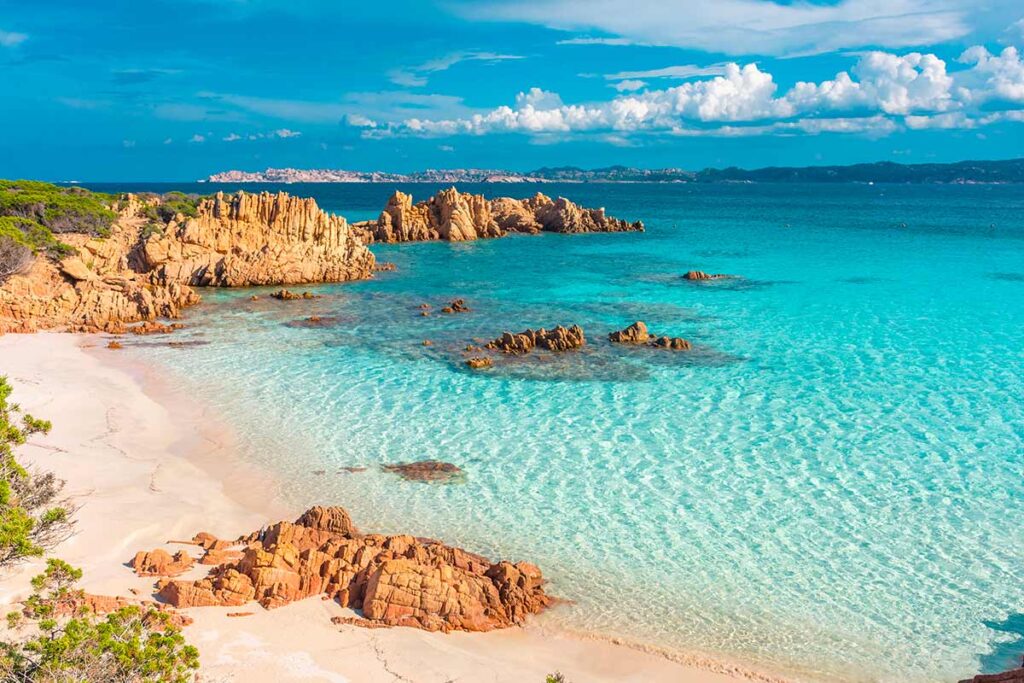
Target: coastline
145,464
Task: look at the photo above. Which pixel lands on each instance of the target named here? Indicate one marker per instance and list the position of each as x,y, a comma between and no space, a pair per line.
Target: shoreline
146,464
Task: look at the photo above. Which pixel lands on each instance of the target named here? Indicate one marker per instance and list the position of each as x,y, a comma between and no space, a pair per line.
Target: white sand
146,467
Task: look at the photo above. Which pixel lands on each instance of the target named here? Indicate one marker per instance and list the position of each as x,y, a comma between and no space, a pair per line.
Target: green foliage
555,678
66,642
31,519
58,209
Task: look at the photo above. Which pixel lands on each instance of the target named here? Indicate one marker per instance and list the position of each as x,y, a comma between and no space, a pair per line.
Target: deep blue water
831,484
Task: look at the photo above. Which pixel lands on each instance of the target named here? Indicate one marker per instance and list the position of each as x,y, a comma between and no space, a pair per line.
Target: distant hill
961,172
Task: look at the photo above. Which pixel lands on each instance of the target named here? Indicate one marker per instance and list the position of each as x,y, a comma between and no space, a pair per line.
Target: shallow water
830,484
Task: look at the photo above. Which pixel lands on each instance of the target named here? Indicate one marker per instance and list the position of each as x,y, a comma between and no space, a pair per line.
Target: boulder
161,563
700,275
557,339
634,334
393,580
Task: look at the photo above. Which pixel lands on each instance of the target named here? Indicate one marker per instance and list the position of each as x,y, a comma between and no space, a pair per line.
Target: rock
479,363
285,295
393,580
673,343
113,344
634,334
384,267
161,563
456,306
352,469
132,275
637,333
700,275
153,327
435,471
220,556
558,339
1011,676
453,216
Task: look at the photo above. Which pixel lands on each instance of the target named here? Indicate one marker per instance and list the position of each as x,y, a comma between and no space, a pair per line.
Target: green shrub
31,517
60,209
59,640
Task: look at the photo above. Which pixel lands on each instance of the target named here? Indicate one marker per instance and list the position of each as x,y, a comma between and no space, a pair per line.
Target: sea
829,485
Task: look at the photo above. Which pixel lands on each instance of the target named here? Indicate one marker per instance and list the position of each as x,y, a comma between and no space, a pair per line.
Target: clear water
830,485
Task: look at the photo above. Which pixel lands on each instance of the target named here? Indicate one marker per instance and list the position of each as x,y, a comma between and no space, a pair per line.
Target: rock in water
394,580
434,471
459,216
699,275
558,339
634,334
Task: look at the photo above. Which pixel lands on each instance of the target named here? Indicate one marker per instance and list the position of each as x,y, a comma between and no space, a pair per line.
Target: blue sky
120,90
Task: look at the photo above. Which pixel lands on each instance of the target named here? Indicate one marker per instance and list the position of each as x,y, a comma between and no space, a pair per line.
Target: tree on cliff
67,642
31,517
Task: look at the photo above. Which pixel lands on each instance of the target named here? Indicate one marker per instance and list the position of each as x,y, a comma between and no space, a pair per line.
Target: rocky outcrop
557,339
479,363
456,306
243,239
637,333
393,580
161,563
459,216
139,273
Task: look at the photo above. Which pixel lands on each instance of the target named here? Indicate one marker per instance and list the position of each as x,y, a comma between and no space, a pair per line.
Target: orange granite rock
161,563
637,333
459,216
557,339
393,580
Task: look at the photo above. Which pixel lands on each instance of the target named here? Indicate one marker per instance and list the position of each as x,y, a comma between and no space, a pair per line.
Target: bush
15,257
30,519
59,209
63,641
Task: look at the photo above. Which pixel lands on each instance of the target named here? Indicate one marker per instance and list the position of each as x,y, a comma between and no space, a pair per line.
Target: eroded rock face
459,216
133,276
557,339
247,239
394,580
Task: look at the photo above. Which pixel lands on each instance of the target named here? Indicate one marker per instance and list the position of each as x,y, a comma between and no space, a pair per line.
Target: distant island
961,172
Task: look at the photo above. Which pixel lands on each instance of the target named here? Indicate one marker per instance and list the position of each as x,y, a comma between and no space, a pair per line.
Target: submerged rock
434,471
393,580
479,363
557,339
456,306
637,334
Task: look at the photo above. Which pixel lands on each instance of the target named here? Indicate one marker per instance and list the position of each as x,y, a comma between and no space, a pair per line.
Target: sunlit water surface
831,484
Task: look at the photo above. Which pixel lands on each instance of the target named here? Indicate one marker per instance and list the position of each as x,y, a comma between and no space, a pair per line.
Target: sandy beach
146,466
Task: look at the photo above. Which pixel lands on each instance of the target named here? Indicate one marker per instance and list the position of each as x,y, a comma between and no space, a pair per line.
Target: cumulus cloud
882,92
11,39
417,76
629,85
754,26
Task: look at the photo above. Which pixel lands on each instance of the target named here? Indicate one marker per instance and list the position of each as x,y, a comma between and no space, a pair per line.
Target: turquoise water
830,485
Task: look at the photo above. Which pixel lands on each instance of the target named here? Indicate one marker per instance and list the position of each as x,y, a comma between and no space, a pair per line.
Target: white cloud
684,71
881,93
11,39
197,138
629,85
232,137
757,27
417,76
286,133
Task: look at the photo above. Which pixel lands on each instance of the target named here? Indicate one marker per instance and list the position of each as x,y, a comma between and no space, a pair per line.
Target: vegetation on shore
55,636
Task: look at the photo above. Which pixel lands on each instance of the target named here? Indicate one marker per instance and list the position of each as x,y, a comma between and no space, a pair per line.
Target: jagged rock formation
1012,676
557,339
266,239
459,216
393,580
138,274
637,334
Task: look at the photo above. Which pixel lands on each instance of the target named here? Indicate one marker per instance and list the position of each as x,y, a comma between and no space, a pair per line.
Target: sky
176,90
